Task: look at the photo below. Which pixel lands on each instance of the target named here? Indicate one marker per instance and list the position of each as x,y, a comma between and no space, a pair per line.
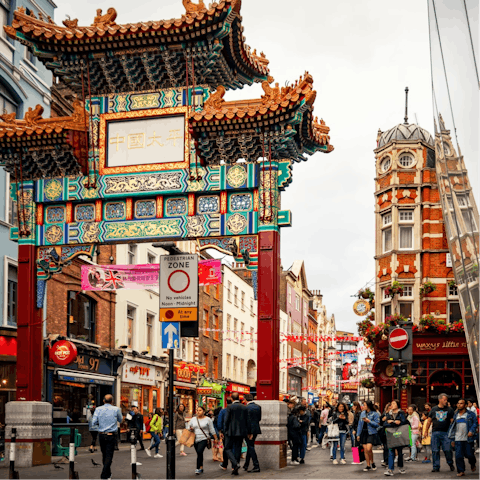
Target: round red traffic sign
178,281
398,338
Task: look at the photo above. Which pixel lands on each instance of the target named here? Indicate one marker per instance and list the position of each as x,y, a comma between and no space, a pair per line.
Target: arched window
385,164
81,317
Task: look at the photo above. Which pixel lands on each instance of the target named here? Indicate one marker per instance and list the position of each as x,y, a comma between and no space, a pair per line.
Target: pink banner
116,277
140,277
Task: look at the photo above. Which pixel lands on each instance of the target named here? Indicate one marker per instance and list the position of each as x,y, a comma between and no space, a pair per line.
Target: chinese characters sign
146,141
209,272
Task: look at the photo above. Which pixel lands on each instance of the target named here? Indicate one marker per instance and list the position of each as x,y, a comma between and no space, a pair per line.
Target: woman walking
427,438
367,432
217,447
179,426
415,423
383,437
155,430
93,431
340,417
395,418
203,428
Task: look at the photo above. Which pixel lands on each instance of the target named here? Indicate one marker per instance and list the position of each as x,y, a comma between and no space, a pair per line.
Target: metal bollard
12,473
133,453
72,474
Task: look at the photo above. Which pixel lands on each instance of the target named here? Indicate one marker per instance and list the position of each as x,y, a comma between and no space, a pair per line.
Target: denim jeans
440,439
391,458
414,446
200,448
342,440
251,453
462,450
303,446
321,433
156,441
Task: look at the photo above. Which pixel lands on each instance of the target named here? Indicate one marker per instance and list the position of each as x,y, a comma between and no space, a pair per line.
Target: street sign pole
170,438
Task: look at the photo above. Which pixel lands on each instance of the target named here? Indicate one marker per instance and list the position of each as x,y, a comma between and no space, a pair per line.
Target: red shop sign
183,374
439,345
234,387
8,346
63,352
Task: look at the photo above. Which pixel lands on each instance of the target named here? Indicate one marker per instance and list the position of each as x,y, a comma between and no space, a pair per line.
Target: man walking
135,425
236,427
441,416
106,418
221,431
462,434
255,415
323,425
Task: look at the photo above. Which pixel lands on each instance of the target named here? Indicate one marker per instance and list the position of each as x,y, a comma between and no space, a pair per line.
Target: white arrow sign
170,331
170,335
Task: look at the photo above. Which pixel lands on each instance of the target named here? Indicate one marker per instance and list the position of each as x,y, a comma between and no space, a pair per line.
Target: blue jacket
374,418
472,426
221,419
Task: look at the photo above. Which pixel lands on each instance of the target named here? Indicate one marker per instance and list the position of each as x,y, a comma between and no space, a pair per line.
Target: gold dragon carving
191,7
69,23
102,21
32,116
215,101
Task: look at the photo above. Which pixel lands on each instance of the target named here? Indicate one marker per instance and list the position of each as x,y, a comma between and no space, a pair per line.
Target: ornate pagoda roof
44,147
280,121
146,55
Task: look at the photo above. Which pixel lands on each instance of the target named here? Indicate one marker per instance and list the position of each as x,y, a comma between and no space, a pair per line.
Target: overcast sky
362,55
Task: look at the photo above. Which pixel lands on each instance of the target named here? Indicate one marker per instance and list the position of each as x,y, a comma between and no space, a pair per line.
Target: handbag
209,440
333,432
187,438
398,437
358,454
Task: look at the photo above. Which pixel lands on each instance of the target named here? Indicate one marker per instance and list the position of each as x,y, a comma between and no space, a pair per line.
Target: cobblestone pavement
317,465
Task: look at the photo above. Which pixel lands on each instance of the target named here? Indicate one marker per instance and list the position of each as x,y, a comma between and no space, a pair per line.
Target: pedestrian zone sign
170,335
178,288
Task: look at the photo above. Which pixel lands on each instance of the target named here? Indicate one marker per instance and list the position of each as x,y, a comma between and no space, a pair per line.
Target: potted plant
452,283
395,289
427,287
366,293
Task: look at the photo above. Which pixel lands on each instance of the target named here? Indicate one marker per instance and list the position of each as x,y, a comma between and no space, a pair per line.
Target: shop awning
190,386
74,376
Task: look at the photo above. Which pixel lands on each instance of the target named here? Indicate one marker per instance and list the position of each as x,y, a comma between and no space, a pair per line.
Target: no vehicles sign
178,288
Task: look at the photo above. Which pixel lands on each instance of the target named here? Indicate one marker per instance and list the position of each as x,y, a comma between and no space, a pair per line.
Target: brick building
412,249
88,321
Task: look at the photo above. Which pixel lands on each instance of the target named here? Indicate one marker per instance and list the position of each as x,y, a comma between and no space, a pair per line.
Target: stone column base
33,421
271,445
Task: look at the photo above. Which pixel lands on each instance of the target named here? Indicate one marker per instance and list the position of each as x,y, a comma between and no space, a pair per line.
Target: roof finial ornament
191,7
406,105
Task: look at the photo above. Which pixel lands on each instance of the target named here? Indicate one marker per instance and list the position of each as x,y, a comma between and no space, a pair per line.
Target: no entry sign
178,288
398,339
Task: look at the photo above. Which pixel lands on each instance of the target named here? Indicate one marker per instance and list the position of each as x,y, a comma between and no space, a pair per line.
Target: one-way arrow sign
170,335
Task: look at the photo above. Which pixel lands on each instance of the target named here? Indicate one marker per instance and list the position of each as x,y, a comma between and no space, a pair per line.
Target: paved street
318,465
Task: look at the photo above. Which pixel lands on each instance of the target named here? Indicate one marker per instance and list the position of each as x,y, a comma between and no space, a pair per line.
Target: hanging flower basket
426,288
395,289
368,383
366,293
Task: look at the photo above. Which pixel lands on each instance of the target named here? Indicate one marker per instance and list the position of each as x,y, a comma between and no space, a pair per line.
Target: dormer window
385,164
406,160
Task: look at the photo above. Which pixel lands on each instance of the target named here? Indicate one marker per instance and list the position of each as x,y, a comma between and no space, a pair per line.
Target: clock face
361,307
389,370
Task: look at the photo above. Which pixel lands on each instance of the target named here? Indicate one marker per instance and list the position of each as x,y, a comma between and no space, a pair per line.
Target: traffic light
404,355
401,371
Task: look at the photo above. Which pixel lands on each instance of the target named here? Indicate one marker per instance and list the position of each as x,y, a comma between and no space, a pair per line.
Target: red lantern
202,370
191,367
183,365
196,369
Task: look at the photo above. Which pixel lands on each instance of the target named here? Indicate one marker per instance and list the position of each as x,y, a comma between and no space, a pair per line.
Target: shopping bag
187,438
358,454
333,432
398,437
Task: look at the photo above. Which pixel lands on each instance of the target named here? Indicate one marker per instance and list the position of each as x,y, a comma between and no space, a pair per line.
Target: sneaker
183,454
374,467
148,452
452,468
139,464
222,467
383,463
293,462
426,461
335,462
367,469
403,471
308,449
410,460
302,461
460,474
388,473
343,461
198,471
158,456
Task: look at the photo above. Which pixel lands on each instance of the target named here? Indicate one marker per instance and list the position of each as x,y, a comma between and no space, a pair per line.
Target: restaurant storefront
211,395
8,369
185,389
440,365
237,387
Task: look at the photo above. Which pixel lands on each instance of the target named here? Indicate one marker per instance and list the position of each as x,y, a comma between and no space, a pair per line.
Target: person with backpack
155,431
294,428
462,433
179,423
340,418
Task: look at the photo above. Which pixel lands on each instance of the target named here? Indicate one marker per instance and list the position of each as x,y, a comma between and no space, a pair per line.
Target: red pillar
268,349
29,328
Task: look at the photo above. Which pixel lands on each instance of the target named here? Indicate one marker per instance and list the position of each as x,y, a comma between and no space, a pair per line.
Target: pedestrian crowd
391,429
230,432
